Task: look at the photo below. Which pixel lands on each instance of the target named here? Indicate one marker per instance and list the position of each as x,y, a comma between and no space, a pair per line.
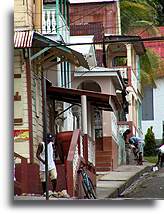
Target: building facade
121,60
152,108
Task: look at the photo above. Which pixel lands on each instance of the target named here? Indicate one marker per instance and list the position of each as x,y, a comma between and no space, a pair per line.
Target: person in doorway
160,152
137,145
127,146
51,163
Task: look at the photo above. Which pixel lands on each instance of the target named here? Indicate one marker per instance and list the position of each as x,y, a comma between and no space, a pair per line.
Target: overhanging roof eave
28,39
73,96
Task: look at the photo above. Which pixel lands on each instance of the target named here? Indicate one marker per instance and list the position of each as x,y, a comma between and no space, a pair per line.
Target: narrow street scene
88,100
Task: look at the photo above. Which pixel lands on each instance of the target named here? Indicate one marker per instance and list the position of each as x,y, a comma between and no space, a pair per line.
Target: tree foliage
150,143
137,13
150,64
138,17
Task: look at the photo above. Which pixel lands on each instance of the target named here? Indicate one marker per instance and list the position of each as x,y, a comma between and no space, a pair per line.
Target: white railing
134,80
52,25
81,146
49,22
114,125
91,151
75,162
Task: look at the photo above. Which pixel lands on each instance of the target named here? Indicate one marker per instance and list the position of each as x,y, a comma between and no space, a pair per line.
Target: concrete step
103,169
104,164
99,153
105,158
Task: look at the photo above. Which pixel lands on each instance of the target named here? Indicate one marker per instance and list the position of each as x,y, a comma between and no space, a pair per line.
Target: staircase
104,161
73,151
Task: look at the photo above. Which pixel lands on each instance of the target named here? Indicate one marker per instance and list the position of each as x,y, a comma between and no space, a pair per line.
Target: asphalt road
149,186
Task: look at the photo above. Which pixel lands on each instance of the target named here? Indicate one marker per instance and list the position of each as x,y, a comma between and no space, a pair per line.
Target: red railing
78,151
20,184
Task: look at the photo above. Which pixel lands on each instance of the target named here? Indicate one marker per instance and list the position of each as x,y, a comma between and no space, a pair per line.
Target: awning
23,39
29,39
73,96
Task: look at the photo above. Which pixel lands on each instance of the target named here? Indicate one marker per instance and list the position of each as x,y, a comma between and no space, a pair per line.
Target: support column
129,54
84,113
89,120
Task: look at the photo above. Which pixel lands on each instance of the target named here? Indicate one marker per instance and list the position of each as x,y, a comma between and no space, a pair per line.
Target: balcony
53,23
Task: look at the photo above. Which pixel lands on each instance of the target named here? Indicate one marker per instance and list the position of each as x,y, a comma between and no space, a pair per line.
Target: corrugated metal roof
23,39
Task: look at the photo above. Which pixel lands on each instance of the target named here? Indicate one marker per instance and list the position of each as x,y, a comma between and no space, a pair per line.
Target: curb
116,193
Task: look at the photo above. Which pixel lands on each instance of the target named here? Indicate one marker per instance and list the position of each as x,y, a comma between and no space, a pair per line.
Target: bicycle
87,184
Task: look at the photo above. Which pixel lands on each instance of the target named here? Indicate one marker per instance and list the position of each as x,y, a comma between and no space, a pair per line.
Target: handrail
19,156
74,140
77,151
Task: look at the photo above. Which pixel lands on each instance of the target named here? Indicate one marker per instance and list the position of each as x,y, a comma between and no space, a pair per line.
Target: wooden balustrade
78,150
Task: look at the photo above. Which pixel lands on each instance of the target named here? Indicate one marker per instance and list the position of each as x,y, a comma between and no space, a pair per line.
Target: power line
117,40
98,8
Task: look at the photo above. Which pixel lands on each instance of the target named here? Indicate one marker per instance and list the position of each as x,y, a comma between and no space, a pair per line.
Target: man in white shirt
51,164
160,160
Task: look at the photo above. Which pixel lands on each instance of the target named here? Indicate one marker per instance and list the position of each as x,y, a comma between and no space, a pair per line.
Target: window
120,61
147,104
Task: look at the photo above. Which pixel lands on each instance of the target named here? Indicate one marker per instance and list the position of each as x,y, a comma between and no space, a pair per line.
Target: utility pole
45,132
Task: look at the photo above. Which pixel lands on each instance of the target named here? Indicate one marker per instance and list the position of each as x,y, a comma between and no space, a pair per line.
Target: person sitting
137,145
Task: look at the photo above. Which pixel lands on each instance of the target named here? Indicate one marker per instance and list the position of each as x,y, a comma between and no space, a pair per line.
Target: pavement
109,184
112,184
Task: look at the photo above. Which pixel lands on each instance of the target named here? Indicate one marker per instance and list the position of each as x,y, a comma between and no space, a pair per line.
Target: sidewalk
111,184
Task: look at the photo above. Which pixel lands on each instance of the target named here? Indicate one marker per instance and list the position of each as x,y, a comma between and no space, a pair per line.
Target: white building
153,109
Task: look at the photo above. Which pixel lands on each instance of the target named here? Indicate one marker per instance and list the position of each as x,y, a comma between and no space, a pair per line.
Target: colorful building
117,72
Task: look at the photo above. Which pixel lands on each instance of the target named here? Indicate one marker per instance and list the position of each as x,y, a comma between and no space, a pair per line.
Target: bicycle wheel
91,189
86,190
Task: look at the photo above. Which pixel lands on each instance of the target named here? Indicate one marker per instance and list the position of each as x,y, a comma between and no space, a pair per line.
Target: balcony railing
53,23
49,23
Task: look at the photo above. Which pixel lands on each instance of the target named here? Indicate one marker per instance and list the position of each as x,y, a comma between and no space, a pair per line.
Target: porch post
84,113
129,54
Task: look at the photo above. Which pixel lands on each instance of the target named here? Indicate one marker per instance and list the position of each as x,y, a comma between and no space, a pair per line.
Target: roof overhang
87,50
32,39
113,73
73,96
135,40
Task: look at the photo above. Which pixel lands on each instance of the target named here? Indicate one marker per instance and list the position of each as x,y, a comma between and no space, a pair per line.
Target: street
149,186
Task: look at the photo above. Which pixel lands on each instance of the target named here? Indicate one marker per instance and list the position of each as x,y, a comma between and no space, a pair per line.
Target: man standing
51,164
127,146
